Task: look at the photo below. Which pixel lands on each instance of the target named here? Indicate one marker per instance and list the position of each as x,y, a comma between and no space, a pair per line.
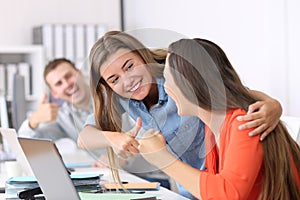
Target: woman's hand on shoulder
263,116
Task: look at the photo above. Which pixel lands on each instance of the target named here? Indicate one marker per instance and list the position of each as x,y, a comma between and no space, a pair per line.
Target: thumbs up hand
125,144
135,130
46,112
153,148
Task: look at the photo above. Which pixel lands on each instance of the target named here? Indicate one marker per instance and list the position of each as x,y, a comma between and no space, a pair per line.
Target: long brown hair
106,107
105,104
201,67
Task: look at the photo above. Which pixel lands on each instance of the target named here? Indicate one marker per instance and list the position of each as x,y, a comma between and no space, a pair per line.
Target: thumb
137,127
44,98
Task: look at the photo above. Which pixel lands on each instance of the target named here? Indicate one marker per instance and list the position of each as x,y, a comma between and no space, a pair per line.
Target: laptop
49,169
11,138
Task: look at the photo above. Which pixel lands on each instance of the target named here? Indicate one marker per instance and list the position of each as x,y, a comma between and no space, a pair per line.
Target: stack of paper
20,183
81,182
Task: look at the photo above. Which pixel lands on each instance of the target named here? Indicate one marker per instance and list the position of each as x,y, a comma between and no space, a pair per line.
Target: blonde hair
106,105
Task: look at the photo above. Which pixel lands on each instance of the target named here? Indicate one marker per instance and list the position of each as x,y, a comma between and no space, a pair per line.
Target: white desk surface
125,176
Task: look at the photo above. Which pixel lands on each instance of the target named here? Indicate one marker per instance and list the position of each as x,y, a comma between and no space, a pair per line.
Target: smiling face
184,106
68,84
126,73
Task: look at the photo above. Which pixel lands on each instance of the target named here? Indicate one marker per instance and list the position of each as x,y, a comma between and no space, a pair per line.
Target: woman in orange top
237,166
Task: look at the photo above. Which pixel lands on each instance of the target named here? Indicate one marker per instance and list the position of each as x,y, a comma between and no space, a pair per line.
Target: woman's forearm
186,175
92,138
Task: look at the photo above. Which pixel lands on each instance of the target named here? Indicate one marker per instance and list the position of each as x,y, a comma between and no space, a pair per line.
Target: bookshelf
34,56
71,41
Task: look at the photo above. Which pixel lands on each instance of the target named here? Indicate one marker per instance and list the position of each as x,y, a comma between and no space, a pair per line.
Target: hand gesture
46,112
153,149
125,144
264,115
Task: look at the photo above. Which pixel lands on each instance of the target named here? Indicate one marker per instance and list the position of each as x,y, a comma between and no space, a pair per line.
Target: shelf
28,98
21,49
33,55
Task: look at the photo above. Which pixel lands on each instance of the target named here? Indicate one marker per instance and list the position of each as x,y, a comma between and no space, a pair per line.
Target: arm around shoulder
263,114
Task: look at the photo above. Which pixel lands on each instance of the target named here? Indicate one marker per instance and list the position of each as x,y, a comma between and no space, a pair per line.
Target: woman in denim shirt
127,77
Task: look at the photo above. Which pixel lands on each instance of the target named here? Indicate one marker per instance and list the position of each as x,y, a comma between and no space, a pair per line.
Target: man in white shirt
52,121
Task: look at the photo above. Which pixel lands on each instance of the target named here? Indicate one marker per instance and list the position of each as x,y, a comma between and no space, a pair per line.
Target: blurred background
260,37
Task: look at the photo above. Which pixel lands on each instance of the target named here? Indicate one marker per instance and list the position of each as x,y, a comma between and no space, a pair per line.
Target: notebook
49,169
11,138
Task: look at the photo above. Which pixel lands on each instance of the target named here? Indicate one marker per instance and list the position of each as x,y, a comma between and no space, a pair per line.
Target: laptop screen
49,169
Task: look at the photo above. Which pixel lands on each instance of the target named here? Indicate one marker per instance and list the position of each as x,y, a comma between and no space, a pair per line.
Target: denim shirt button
186,126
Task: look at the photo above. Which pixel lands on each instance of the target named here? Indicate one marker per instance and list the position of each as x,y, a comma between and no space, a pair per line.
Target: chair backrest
19,101
293,126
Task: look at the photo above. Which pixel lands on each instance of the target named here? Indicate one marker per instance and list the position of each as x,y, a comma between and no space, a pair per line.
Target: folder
81,182
80,54
58,41
18,104
69,42
79,42
44,35
2,80
11,70
117,196
25,71
90,37
101,29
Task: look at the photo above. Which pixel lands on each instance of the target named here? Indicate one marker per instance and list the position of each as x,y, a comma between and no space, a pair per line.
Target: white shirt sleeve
90,120
25,130
50,130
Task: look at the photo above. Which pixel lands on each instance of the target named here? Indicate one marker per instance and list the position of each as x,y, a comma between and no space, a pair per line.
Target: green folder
114,196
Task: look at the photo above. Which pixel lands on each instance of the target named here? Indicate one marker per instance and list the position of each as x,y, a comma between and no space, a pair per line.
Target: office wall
260,37
18,17
293,50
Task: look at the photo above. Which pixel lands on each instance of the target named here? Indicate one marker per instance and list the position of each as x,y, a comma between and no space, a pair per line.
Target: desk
125,176
162,192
